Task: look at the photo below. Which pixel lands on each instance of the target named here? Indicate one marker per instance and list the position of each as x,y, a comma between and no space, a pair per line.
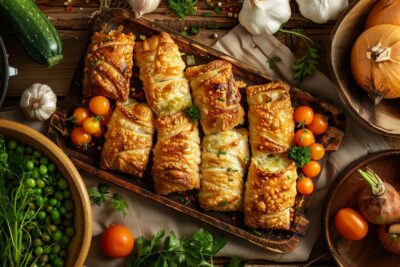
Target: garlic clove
321,11
38,102
141,7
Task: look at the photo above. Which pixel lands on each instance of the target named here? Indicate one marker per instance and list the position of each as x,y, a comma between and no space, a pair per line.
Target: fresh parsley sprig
182,8
102,193
307,64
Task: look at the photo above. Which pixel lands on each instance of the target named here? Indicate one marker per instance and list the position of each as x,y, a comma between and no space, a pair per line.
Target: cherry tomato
106,118
304,137
319,124
99,105
303,115
351,224
80,114
91,125
79,137
317,151
305,186
117,241
99,133
311,169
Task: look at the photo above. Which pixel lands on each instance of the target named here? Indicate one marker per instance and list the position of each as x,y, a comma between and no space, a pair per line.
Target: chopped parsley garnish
246,160
221,152
300,155
93,63
222,99
192,113
230,180
229,169
223,203
182,8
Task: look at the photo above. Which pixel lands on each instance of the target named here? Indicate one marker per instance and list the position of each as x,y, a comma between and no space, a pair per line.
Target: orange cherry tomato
303,115
304,137
305,186
319,124
99,133
79,137
317,151
351,224
311,169
106,118
80,114
91,125
117,241
99,105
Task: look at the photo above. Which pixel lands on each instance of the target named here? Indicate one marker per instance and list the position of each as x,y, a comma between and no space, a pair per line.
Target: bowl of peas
45,212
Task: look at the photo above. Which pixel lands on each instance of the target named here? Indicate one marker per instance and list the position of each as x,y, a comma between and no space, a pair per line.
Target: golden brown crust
129,138
223,165
269,196
270,117
108,65
216,94
176,155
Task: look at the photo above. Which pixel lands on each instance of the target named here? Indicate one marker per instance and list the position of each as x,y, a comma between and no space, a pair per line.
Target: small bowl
80,243
366,252
383,118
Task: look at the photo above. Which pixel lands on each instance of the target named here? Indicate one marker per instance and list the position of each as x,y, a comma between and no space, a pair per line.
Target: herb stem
295,33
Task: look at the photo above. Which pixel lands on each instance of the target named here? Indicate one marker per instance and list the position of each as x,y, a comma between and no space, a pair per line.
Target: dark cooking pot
5,72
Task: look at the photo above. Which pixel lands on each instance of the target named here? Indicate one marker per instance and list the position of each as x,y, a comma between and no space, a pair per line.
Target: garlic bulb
321,11
264,16
38,102
141,7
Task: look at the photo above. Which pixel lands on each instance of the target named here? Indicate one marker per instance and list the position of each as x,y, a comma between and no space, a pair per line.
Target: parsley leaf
182,8
221,99
221,152
246,160
217,11
102,193
120,205
300,155
192,113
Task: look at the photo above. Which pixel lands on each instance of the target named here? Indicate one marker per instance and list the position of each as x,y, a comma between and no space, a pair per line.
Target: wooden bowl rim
74,174
339,181
365,122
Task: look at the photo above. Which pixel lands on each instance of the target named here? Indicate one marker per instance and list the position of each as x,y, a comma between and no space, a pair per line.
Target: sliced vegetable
117,241
311,169
351,224
304,137
319,124
379,202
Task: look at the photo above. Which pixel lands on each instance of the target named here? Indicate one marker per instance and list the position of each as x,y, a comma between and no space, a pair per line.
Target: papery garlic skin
141,7
264,16
321,11
38,102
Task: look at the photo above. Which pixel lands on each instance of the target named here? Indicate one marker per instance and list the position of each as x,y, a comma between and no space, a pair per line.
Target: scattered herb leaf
93,63
207,14
300,155
102,193
221,99
229,169
223,203
192,113
217,11
221,152
182,8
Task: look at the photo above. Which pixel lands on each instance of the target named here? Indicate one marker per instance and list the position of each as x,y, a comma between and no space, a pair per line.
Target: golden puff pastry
270,192
161,71
108,65
176,155
270,117
223,164
217,96
129,138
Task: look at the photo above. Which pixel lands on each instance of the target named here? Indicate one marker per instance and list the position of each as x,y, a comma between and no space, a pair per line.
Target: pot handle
12,71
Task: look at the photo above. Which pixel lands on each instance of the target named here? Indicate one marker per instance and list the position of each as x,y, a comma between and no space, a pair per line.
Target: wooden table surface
75,26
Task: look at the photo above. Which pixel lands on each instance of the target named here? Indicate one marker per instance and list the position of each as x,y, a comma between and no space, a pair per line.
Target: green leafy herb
93,63
230,180
221,152
193,30
256,232
235,261
307,64
229,169
217,11
223,203
300,155
192,113
102,193
182,8
272,62
221,99
199,250
246,160
207,14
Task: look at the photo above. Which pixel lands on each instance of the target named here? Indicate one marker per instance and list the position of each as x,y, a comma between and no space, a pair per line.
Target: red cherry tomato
117,241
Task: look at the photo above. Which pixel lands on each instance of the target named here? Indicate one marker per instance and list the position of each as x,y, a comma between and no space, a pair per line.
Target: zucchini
34,30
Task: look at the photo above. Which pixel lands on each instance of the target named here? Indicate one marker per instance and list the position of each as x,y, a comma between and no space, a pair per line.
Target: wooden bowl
383,118
80,243
344,193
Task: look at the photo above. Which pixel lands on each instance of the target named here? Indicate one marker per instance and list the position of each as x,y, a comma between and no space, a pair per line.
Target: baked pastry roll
270,117
129,138
161,71
108,65
176,155
217,96
223,164
270,192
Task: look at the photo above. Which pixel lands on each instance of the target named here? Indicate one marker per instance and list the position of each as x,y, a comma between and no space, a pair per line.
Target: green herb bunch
182,8
102,193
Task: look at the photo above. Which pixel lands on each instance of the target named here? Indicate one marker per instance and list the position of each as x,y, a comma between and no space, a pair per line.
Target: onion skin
384,12
384,209
389,242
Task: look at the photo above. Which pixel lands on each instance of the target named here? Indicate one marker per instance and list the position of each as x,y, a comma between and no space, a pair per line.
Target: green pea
69,231
37,191
43,169
51,167
58,195
37,242
48,190
52,256
57,235
35,173
12,144
44,160
31,183
53,202
29,165
52,227
67,194
56,249
40,201
46,238
63,253
44,258
37,154
28,150
49,208
69,204
62,184
62,210
58,262
65,240
38,251
41,215
47,249
20,149
54,215
30,214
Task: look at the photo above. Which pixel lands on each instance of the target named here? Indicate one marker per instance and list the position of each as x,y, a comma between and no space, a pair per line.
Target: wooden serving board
276,241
